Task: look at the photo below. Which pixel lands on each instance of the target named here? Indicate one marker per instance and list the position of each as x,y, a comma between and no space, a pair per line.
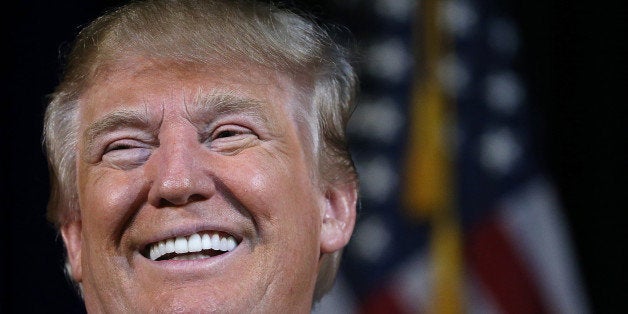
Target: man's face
196,192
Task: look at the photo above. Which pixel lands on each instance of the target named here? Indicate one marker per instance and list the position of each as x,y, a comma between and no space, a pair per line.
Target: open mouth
195,246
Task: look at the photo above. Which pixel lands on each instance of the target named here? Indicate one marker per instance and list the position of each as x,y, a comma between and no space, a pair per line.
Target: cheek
106,199
286,211
279,195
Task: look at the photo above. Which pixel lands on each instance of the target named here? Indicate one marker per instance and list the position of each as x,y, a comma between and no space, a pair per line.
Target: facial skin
166,151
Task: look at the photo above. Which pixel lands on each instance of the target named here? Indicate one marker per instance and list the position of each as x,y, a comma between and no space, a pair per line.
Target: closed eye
231,139
117,146
126,154
228,131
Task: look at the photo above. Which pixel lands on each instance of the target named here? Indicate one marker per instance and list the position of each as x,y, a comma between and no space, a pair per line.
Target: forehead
152,85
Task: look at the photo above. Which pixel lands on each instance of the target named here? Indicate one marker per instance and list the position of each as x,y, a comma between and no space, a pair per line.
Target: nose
178,175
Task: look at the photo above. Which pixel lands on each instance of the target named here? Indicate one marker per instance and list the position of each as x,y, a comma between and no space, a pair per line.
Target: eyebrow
208,106
212,106
119,119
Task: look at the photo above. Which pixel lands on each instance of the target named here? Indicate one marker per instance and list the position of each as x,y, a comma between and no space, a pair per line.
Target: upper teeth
193,243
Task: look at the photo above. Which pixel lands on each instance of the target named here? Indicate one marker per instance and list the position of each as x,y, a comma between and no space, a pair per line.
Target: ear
338,216
72,237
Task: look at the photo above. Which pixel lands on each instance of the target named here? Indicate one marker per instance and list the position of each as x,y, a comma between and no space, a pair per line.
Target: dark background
574,55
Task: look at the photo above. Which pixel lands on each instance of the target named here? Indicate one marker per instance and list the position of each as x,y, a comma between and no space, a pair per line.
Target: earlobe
338,217
72,238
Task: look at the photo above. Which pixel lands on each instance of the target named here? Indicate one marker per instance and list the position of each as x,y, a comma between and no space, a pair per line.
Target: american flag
456,212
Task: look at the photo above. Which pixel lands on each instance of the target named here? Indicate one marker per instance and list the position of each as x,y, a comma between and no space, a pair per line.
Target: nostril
196,198
164,202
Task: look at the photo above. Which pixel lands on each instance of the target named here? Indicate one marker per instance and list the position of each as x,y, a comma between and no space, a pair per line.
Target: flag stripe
501,270
546,250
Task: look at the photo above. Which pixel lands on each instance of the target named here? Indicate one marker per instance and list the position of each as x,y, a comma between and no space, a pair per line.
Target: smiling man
198,159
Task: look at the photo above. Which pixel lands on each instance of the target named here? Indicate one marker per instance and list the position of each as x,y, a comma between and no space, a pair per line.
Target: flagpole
430,190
